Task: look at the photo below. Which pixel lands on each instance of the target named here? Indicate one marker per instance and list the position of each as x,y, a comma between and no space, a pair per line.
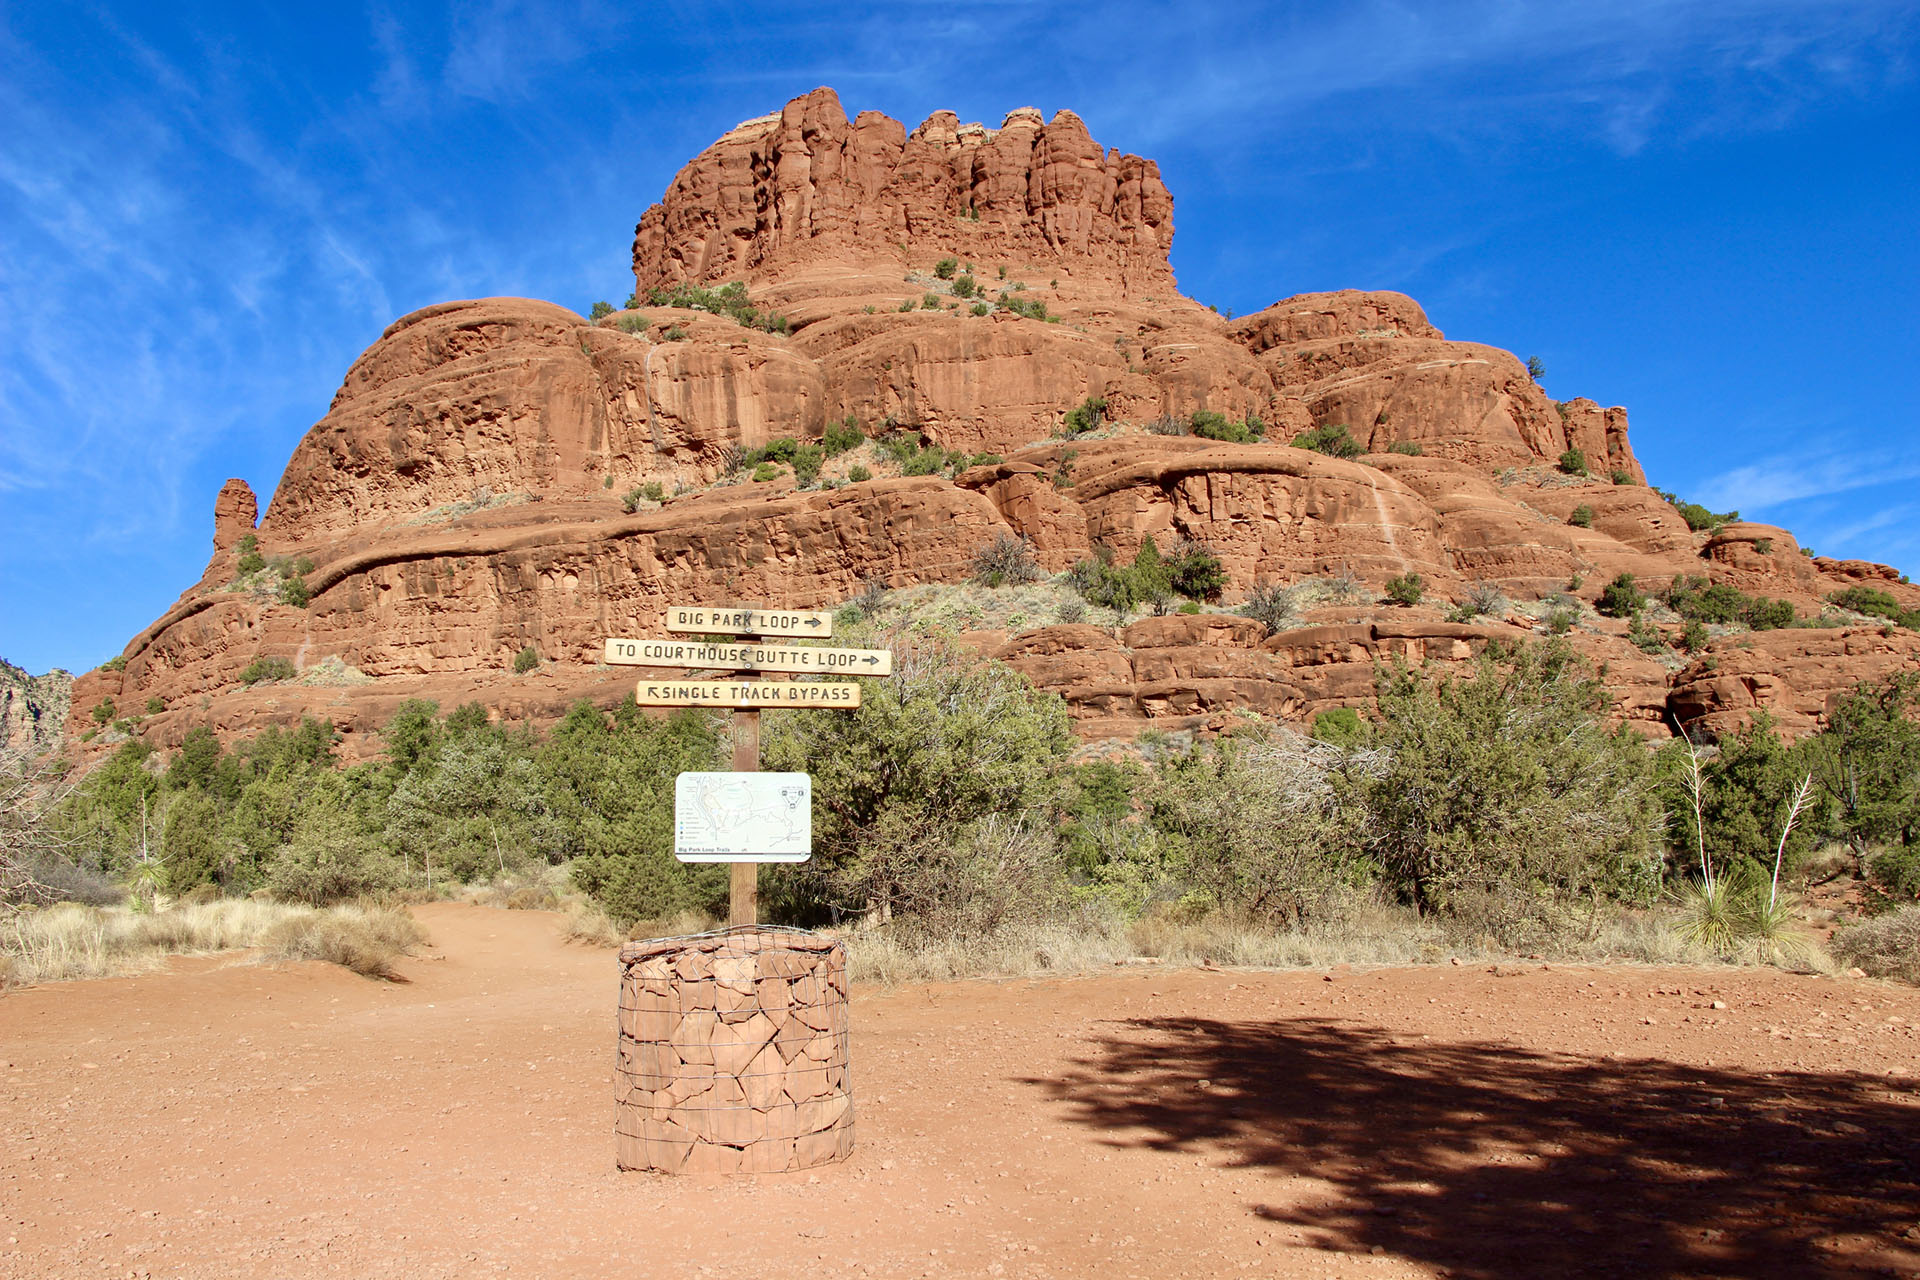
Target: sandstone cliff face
462,498
33,709
806,185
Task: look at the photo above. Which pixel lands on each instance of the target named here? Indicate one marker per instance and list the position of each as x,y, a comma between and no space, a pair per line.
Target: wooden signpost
747,697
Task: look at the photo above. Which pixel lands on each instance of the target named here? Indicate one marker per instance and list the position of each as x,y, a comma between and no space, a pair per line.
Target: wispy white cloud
1776,481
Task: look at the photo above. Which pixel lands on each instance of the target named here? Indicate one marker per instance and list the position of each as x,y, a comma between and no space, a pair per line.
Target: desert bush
1007,560
1405,589
600,311
1211,425
267,669
965,286
1875,603
807,461
1485,599
1071,611
526,660
1698,600
250,559
1644,636
1885,947
1333,439
949,740
1025,308
1698,518
294,591
842,435
1409,448
1582,517
637,323
1573,462
1620,598
1340,726
1536,368
728,300
764,472
1505,793
1273,605
1867,762
1895,872
946,267
321,867
859,474
1085,416
1619,476
1265,825
979,309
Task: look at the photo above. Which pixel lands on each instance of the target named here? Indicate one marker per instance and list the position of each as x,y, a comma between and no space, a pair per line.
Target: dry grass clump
1887,946
72,941
1372,934
366,940
587,924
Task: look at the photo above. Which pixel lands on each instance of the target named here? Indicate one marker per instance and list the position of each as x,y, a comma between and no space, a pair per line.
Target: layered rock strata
501,474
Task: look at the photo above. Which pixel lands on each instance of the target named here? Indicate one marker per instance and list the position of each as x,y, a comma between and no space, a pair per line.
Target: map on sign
743,817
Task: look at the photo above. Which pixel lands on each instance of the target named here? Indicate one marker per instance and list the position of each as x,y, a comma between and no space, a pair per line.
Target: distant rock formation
501,474
33,709
805,185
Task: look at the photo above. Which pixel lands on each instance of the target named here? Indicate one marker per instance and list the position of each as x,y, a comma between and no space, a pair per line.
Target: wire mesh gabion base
733,1053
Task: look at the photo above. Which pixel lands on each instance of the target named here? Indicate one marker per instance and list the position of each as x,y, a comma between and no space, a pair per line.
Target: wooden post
743,905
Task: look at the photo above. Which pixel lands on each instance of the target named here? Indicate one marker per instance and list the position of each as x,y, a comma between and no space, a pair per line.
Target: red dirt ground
233,1119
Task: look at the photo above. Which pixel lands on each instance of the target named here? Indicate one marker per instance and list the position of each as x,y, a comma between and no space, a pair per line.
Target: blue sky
1706,212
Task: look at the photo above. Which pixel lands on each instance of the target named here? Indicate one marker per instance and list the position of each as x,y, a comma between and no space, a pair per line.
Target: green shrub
324,865
267,669
251,561
1698,518
1217,426
1698,600
104,710
766,471
1896,872
807,461
636,323
1582,516
728,300
1573,462
906,304
859,474
1619,476
526,660
1620,598
965,286
842,436
946,267
653,491
1875,603
1405,589
633,300
930,302
1332,439
1864,762
1536,368
1341,726
155,705
1409,448
600,311
674,333
1194,571
1763,545
1086,416
294,591
979,309
1561,619
1026,308
1694,638
1644,636
1504,794
631,499
904,783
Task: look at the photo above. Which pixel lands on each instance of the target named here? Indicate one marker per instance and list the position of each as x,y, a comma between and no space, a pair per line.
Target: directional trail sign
743,817
752,694
749,622
748,657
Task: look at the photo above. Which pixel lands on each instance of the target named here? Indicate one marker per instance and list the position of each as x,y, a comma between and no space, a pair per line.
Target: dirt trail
231,1119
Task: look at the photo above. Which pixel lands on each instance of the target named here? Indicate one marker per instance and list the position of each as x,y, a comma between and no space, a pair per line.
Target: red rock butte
461,500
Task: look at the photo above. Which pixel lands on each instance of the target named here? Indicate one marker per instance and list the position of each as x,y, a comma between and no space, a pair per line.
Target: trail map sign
694,655
746,817
743,817
744,693
750,622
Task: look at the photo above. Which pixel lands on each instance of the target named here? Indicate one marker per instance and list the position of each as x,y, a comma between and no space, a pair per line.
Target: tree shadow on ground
1489,1160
